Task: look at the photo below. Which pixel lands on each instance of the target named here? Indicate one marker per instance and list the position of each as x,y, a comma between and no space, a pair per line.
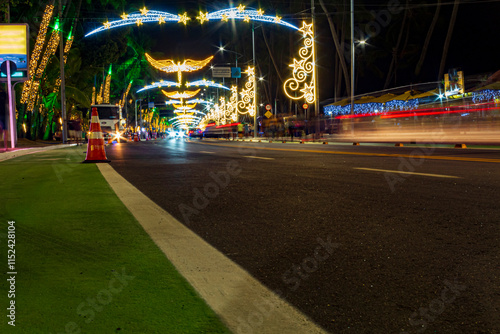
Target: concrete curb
243,303
23,151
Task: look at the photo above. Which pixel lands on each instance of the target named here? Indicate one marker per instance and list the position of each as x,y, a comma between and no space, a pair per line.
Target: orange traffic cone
95,148
136,138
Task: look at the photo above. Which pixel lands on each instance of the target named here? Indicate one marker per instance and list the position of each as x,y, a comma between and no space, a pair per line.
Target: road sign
14,47
305,106
236,72
221,72
268,114
268,107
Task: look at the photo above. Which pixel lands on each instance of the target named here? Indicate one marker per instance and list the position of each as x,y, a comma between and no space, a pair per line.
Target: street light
222,49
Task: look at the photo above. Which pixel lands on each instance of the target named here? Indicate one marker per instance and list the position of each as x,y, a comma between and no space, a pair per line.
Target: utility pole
255,124
316,88
63,84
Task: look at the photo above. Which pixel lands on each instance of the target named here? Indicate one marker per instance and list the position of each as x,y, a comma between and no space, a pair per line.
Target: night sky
473,48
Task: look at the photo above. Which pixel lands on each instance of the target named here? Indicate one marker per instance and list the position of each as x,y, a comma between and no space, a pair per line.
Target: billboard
14,47
221,72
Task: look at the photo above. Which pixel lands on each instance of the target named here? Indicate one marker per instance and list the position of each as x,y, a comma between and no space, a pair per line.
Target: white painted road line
254,157
207,152
411,173
228,289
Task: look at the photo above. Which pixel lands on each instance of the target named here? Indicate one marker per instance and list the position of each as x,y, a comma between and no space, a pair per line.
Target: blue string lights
233,13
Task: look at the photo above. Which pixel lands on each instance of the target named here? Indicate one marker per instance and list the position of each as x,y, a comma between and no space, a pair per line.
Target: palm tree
418,68
448,38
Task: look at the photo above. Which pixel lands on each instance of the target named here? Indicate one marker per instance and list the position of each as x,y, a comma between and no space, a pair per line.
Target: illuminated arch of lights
240,13
144,16
206,83
234,13
169,102
159,84
170,66
301,86
181,95
304,70
200,101
189,111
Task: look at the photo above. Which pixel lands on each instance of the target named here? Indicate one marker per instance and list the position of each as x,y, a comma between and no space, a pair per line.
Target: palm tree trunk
395,50
271,54
448,38
427,39
337,46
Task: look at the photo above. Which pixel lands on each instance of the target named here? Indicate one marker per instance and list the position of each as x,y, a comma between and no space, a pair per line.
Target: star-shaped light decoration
138,22
161,19
260,12
307,29
247,18
297,65
107,25
241,8
124,16
225,18
183,18
250,71
308,92
277,19
203,17
144,11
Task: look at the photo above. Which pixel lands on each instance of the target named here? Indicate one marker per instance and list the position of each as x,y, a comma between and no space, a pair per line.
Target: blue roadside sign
235,72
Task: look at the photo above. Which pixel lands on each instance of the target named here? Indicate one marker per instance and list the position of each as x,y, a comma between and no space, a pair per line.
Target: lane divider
431,157
411,173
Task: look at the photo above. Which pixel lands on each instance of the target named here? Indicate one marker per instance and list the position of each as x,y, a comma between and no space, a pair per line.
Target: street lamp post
136,113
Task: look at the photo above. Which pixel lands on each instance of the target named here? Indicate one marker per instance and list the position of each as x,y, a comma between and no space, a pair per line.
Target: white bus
110,117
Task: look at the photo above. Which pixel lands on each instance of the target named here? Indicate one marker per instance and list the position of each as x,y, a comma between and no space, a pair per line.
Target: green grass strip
83,263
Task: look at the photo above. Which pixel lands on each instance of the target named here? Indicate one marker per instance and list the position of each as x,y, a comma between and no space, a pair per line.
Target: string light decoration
200,101
161,83
181,95
49,51
247,104
67,48
234,13
206,83
99,96
221,116
184,107
304,70
170,102
240,13
203,17
37,50
183,18
122,103
34,95
232,106
169,65
485,95
107,87
135,17
93,95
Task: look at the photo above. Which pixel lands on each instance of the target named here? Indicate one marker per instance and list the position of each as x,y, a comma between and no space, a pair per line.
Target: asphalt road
336,232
